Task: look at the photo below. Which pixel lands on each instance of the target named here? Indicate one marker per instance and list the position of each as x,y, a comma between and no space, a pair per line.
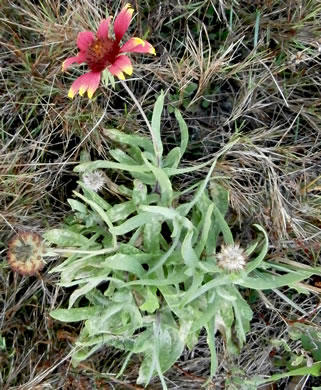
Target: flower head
231,258
102,51
95,180
25,253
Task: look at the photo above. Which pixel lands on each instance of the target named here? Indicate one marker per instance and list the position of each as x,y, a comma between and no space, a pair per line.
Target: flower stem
130,93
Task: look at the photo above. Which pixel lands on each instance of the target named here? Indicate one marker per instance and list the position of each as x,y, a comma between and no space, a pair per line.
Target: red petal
69,61
122,21
116,71
88,81
130,44
93,84
84,39
137,45
122,64
103,29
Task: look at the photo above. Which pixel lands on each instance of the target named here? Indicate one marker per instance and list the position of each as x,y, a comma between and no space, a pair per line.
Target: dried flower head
94,180
231,258
104,51
25,253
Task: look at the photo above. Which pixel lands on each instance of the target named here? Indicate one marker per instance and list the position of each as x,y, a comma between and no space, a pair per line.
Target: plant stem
130,93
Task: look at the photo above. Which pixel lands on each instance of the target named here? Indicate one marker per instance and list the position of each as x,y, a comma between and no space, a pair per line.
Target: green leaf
184,131
80,355
166,255
311,341
129,139
163,181
197,281
127,263
185,208
152,231
151,303
205,225
172,279
188,253
217,281
77,206
156,122
103,164
107,79
139,193
227,315
181,171
164,348
121,211
211,343
243,315
65,238
220,221
266,281
207,315
314,370
165,212
173,158
122,157
220,197
142,342
256,262
88,286
131,224
190,88
92,195
100,211
119,318
76,314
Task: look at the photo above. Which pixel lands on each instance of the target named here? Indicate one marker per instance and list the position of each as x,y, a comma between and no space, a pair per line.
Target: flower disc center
102,53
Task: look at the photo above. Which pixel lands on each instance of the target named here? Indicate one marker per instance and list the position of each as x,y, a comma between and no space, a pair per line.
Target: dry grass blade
236,69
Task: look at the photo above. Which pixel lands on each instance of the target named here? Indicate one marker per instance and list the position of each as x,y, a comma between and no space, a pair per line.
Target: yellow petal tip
139,41
82,90
90,93
128,70
71,94
129,8
121,76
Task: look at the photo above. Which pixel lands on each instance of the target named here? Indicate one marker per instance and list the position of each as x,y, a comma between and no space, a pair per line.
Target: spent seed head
94,180
25,253
232,258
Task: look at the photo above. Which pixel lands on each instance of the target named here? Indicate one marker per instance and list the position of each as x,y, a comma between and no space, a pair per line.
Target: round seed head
25,253
94,180
231,258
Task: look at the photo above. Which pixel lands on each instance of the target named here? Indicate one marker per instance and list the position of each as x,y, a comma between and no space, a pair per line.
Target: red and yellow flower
103,51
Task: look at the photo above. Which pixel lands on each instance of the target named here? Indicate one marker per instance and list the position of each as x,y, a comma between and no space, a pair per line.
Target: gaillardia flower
103,51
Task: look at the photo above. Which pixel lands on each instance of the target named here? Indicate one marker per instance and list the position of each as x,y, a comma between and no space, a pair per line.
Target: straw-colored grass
235,69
